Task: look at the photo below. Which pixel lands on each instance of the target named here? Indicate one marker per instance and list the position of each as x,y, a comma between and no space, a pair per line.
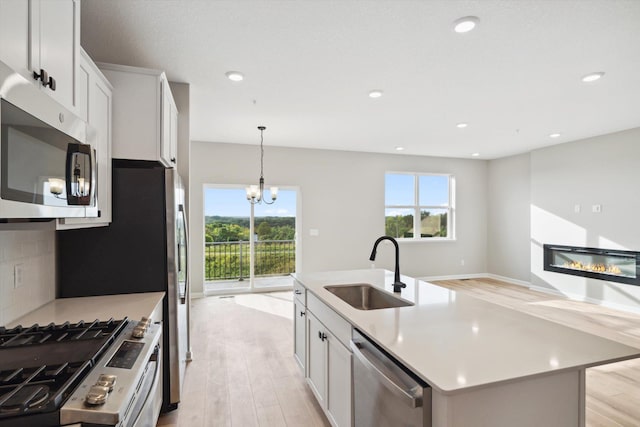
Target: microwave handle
92,193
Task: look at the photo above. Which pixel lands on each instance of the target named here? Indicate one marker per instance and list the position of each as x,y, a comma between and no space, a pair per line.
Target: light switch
576,208
596,208
314,232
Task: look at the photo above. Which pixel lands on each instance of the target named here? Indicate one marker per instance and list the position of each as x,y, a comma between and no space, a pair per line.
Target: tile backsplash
27,270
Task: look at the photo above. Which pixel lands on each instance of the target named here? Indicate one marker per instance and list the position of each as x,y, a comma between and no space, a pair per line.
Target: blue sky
233,202
400,189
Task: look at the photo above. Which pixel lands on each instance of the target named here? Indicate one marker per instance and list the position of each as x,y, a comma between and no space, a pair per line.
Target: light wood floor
243,373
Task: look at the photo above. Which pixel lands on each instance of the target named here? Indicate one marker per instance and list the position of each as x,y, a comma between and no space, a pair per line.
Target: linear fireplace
604,264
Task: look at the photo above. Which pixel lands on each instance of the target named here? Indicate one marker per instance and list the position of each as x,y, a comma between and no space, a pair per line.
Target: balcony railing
231,260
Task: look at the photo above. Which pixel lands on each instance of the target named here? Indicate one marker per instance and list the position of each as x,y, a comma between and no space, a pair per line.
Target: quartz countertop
456,342
89,309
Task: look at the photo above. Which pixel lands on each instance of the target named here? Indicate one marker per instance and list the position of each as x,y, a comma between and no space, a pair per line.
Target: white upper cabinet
95,106
40,39
145,116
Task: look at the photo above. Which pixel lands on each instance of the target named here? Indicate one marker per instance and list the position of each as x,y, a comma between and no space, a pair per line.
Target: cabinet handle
322,336
173,160
298,292
301,313
43,76
51,82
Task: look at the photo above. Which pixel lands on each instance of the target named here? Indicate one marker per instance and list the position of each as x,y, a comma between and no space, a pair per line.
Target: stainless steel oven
106,373
47,164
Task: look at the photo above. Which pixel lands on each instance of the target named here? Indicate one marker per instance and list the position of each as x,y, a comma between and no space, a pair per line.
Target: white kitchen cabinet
95,106
317,367
44,35
145,116
329,362
300,325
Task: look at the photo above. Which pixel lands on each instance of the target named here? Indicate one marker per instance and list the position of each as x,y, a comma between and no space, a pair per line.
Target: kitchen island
133,306
487,365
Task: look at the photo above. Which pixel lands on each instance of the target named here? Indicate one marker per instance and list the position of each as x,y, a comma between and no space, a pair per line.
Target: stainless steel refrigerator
143,250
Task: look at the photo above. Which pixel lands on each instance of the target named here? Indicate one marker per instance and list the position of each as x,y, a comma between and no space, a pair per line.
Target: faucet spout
397,284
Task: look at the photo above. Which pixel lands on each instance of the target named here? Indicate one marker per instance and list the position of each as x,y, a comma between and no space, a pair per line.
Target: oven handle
155,358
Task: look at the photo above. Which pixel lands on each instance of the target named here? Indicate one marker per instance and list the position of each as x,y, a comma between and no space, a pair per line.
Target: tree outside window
419,205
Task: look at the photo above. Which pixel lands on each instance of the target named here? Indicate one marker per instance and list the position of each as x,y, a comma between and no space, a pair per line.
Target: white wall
342,196
508,242
33,247
596,171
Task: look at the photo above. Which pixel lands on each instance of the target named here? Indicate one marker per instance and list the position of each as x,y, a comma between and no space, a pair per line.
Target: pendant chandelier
255,193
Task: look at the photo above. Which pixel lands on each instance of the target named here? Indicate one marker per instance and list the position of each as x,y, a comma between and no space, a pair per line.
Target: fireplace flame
596,268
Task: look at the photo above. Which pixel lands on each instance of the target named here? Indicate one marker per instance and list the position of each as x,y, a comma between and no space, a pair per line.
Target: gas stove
84,372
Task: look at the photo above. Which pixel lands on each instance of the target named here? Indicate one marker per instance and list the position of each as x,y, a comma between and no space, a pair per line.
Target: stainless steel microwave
47,165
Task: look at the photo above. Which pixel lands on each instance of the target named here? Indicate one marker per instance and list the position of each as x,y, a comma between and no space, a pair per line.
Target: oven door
46,168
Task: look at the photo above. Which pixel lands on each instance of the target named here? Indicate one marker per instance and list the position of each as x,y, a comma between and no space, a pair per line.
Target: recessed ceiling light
554,135
593,77
462,125
466,24
475,154
399,148
375,94
234,76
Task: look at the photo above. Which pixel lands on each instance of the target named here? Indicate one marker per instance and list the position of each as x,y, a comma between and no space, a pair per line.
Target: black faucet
397,284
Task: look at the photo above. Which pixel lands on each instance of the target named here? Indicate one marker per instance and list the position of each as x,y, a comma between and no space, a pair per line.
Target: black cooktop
41,365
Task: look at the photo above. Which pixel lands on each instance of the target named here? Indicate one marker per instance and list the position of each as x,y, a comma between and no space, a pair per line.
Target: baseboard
578,297
509,280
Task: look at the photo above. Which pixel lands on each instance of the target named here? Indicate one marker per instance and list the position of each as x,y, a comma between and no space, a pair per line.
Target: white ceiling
309,66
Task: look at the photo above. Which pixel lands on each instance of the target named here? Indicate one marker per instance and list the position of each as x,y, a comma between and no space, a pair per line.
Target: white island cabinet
329,363
487,365
145,117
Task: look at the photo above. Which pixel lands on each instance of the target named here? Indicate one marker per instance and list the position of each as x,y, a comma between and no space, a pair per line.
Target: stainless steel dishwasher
385,393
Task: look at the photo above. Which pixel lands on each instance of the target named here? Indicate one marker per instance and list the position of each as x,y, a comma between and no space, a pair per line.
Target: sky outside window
233,202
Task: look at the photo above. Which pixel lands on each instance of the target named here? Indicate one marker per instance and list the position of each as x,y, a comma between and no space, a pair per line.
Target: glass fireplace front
604,264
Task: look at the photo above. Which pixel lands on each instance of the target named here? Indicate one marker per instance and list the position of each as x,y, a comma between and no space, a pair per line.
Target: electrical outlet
18,275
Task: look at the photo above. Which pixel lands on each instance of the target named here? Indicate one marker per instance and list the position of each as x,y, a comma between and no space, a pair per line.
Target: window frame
417,208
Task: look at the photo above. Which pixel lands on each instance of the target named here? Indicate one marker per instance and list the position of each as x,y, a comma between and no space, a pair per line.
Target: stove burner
42,365
29,396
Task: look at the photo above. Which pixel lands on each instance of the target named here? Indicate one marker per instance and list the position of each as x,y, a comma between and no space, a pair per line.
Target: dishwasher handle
412,397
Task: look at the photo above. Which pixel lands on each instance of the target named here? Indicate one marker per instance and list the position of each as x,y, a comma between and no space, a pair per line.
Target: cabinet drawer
329,318
300,292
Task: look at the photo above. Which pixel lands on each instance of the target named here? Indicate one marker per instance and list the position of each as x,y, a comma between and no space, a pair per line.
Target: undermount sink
366,297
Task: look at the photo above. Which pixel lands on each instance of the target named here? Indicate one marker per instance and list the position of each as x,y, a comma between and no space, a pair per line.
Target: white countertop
89,309
456,342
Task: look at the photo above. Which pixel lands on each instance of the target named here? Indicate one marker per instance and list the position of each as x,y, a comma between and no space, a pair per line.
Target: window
419,206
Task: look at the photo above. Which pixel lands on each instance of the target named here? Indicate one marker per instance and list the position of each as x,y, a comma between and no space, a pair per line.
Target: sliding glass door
248,247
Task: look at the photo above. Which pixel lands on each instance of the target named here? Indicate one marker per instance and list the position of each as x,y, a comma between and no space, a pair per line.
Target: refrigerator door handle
183,245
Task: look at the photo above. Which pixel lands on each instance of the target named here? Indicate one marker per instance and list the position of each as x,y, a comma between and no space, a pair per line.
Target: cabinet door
173,142
100,119
317,358
338,382
55,46
96,109
165,137
299,341
14,35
